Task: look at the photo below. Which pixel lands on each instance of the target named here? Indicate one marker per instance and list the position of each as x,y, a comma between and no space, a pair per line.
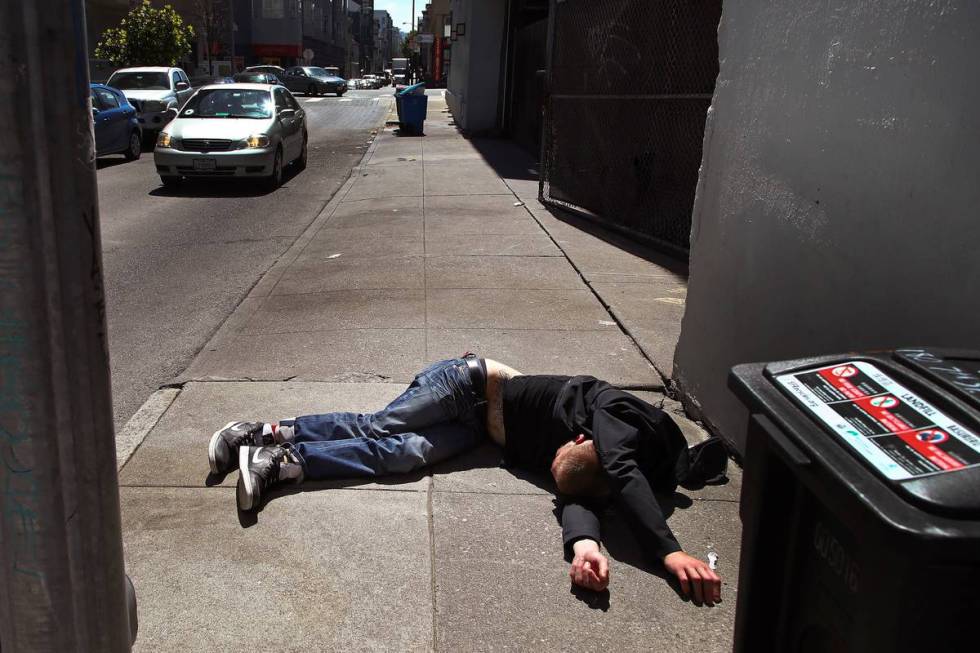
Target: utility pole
233,29
62,585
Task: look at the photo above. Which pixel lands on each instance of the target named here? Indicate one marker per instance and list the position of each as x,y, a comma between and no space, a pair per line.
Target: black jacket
641,450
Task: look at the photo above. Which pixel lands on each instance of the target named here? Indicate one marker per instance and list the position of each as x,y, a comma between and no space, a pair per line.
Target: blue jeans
437,417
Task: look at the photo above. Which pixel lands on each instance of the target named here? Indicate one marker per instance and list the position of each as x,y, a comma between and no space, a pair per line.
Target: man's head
576,469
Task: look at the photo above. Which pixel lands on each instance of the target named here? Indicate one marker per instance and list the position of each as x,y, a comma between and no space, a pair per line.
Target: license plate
204,164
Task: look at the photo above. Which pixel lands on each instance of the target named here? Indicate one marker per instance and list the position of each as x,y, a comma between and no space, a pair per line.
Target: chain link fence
630,82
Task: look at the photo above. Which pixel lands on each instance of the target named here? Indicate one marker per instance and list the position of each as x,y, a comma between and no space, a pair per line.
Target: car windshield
139,81
229,103
319,72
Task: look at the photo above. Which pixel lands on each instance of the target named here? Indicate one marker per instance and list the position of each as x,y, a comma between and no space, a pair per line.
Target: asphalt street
177,262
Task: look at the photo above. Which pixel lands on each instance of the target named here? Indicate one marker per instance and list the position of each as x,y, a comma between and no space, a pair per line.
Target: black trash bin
860,503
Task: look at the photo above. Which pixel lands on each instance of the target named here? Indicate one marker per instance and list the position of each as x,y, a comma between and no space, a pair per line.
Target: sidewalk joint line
432,562
425,253
665,380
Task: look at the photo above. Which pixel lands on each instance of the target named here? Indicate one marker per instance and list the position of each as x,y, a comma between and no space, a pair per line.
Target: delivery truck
399,71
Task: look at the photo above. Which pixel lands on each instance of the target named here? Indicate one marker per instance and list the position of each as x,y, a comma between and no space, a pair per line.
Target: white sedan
233,130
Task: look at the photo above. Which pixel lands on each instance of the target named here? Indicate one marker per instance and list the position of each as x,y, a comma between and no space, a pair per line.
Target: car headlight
257,140
164,140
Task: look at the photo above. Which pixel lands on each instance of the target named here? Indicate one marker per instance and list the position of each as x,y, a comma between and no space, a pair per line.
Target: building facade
473,88
435,52
361,53
324,33
291,32
383,27
397,40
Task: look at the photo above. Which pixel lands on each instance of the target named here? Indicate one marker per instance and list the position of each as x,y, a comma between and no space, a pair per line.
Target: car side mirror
287,113
95,111
183,86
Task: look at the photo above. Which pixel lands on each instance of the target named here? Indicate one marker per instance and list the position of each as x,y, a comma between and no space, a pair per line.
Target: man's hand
695,576
590,569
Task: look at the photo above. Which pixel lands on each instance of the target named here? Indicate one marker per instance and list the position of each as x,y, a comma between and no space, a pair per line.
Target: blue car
116,128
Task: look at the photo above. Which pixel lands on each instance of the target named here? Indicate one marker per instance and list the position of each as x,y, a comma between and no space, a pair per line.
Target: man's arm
644,513
580,534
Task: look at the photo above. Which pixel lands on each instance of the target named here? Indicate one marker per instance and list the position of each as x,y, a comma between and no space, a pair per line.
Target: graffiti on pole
18,484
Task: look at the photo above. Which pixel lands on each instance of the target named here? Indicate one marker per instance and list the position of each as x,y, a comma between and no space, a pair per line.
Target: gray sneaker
224,445
259,469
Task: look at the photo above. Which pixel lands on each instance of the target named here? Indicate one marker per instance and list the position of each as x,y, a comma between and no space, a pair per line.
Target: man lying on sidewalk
595,440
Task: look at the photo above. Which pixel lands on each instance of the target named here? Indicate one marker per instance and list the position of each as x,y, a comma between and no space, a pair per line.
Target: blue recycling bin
412,104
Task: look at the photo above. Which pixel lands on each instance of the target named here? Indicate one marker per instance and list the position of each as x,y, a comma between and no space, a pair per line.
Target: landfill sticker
895,430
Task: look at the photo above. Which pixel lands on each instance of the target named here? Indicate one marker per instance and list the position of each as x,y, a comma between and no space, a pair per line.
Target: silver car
233,130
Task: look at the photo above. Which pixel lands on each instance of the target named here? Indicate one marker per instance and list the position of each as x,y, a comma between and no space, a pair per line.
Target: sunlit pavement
435,246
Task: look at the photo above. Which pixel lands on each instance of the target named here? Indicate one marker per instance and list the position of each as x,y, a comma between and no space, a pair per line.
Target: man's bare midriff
497,375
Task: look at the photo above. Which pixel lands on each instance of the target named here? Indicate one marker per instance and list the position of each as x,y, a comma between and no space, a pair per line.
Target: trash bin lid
919,431
413,89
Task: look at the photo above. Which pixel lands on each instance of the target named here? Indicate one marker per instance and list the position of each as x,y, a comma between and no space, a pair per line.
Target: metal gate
629,85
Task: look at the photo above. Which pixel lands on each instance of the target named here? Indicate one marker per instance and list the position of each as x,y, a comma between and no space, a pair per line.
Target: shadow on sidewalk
512,163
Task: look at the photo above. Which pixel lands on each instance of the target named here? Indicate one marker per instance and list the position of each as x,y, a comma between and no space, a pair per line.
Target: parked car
117,130
255,77
354,83
234,130
372,81
312,80
278,71
157,93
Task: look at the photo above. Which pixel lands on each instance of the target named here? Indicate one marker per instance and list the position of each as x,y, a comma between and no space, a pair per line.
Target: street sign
425,38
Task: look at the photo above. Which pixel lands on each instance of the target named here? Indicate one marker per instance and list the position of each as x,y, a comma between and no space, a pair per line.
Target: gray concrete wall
838,200
474,74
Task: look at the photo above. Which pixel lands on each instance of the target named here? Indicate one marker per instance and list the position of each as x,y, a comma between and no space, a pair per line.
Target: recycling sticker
898,432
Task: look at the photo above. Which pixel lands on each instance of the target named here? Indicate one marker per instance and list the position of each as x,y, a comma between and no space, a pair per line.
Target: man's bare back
497,375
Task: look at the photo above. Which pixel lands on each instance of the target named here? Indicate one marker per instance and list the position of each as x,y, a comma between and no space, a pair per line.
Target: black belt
478,374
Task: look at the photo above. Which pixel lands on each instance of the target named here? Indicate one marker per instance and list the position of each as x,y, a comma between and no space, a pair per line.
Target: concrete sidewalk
435,246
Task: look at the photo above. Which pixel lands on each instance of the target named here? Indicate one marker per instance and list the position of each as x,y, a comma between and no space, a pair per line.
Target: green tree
147,36
407,51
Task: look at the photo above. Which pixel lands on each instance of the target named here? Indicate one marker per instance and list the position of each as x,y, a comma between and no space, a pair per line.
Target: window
106,99
271,9
293,104
229,103
175,77
281,101
139,81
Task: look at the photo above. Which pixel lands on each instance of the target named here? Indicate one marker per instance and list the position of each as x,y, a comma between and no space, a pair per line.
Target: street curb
131,436
272,276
